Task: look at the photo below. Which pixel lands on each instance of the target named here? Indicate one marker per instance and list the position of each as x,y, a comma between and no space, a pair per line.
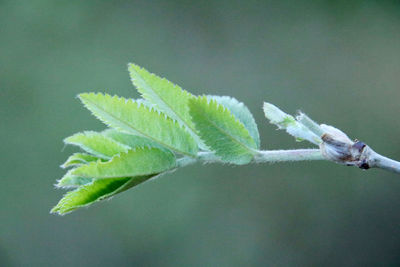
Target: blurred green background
338,61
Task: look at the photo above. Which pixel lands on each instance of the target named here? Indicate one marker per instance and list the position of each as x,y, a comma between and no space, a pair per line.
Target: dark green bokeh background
339,61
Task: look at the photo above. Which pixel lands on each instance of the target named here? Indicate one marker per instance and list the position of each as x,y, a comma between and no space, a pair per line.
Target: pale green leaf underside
130,117
242,113
95,191
77,159
290,124
97,144
137,162
69,180
133,141
166,96
221,131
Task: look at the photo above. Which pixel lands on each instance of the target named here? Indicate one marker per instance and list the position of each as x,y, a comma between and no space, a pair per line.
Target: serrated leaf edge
134,131
252,151
91,151
191,129
119,156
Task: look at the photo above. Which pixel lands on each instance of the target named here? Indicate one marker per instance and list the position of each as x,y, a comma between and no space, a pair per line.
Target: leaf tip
276,115
57,210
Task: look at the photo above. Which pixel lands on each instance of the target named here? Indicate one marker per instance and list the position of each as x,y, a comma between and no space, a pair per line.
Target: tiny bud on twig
338,147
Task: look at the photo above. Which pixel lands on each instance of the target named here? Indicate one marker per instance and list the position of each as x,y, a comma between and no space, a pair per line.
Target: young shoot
169,128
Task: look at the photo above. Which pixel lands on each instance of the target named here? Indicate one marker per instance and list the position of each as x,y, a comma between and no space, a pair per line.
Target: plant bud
338,147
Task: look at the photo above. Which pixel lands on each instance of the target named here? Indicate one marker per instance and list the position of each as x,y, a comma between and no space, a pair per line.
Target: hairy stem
260,157
365,160
385,163
273,156
310,124
375,160
288,155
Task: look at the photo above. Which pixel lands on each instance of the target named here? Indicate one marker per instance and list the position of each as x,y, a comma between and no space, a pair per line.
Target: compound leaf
97,144
136,162
221,131
127,116
242,113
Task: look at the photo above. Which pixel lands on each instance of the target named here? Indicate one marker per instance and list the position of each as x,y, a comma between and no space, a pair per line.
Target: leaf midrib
253,151
123,176
191,129
135,130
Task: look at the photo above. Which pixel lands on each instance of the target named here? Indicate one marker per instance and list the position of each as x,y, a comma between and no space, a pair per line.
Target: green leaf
69,180
97,144
242,113
130,117
166,96
133,141
137,162
95,191
77,159
221,131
